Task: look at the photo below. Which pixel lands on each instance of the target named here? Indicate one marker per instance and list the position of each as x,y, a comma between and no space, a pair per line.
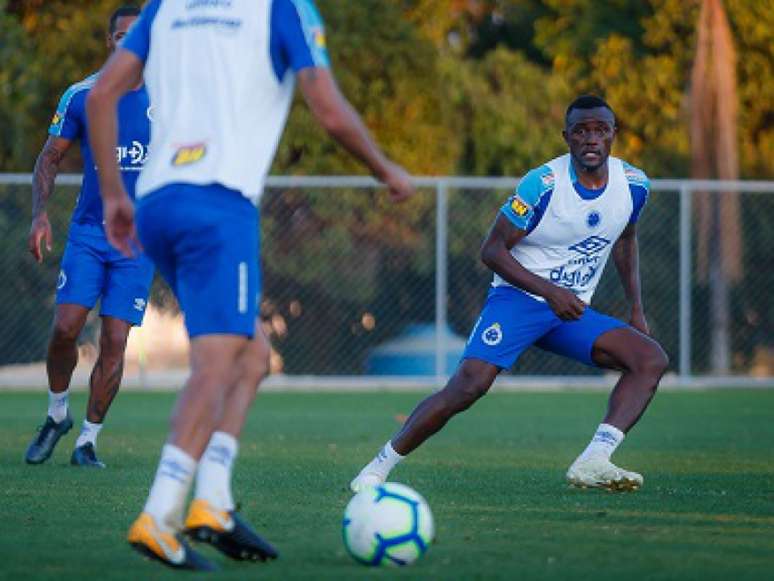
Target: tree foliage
446,86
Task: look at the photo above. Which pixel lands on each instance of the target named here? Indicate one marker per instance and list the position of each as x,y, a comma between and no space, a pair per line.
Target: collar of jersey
584,192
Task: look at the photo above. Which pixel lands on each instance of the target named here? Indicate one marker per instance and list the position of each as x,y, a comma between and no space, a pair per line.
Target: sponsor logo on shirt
56,119
580,270
188,154
519,206
132,157
591,245
139,304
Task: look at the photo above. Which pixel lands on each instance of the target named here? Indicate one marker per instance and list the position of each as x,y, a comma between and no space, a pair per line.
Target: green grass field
494,480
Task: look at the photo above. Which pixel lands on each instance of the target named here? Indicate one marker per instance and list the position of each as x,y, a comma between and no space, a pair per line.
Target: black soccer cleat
86,455
227,532
43,445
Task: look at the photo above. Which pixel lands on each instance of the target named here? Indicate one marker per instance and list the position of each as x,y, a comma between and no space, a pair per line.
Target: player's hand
638,321
565,304
398,181
39,231
119,224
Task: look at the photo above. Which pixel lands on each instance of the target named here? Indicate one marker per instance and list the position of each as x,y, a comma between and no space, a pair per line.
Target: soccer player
221,75
91,269
548,247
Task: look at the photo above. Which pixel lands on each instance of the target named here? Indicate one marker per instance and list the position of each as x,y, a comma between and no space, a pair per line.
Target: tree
714,150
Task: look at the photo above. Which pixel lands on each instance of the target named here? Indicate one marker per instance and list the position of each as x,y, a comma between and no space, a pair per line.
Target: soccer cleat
227,532
169,549
599,472
43,445
86,455
366,479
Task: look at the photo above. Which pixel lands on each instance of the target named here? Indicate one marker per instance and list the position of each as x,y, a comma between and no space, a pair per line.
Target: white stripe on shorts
242,287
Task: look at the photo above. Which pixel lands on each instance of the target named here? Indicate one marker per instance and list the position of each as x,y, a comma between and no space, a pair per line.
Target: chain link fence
354,285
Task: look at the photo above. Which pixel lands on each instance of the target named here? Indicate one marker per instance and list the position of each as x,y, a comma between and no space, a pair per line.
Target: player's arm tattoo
626,256
46,170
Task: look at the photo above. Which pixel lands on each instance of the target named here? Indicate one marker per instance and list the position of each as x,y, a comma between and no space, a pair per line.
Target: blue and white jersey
70,123
220,76
571,229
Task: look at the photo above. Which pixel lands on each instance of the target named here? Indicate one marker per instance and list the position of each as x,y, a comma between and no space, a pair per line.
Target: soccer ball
389,524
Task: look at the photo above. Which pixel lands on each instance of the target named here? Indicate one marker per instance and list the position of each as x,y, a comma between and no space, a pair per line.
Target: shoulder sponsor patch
519,206
188,154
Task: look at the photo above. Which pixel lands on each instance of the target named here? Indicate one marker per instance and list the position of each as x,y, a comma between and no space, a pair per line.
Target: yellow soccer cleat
149,540
227,532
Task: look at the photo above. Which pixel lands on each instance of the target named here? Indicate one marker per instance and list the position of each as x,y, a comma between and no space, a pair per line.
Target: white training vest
573,240
218,109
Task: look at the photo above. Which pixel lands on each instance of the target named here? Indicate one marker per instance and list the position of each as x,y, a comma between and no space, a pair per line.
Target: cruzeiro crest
492,335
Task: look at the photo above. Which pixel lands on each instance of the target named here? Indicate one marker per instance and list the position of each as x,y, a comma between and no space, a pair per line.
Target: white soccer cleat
366,479
599,472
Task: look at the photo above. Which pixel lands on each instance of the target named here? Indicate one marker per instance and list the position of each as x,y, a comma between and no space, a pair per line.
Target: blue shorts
93,270
513,320
204,241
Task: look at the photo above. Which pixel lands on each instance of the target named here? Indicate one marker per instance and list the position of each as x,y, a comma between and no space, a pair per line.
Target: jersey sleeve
298,36
521,207
67,122
639,187
137,40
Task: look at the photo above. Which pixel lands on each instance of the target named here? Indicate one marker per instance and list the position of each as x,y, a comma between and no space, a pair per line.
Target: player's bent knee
658,362
65,332
113,343
255,363
467,386
652,361
254,370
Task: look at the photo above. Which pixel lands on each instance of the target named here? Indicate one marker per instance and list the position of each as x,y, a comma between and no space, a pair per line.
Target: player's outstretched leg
472,379
198,412
643,362
103,387
212,516
60,363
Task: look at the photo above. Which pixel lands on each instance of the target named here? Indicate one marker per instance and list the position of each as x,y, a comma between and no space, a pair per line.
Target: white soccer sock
57,405
213,477
88,435
606,439
168,494
385,460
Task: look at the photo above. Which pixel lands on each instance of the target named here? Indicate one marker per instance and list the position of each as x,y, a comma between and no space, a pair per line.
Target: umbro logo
591,245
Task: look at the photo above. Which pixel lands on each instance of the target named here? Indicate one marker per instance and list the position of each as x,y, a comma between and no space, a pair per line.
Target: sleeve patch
313,31
519,206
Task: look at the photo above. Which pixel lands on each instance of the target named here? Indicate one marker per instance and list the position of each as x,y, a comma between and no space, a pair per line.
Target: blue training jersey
70,123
